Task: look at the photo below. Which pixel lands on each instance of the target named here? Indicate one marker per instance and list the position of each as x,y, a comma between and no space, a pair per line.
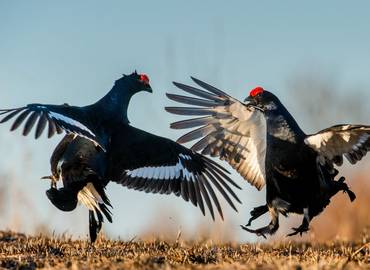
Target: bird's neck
282,125
115,104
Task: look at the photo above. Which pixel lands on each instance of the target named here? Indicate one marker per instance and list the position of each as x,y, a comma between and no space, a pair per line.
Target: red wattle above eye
144,78
256,91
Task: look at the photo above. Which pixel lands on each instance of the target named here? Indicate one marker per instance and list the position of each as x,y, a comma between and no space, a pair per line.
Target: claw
257,232
299,230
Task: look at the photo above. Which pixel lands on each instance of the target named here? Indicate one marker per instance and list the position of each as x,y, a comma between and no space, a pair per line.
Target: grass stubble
18,251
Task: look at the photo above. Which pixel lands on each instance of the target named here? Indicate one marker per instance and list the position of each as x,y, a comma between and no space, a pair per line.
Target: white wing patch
164,172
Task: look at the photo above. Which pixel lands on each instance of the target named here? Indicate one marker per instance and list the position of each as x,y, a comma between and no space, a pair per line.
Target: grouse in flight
261,140
108,148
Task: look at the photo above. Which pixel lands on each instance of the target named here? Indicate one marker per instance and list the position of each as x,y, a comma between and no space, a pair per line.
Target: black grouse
109,149
262,141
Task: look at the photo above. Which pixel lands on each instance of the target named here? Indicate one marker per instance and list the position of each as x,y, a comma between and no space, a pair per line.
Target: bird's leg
304,226
269,229
256,213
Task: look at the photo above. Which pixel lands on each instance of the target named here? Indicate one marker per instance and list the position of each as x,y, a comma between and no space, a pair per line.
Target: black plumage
81,167
102,146
262,141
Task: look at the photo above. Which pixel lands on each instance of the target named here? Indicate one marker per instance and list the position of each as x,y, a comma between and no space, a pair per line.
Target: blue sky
72,51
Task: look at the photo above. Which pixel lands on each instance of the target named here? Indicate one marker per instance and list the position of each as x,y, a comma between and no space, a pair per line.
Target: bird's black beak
148,88
251,102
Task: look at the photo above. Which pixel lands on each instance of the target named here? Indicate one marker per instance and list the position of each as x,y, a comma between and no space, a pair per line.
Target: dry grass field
18,251
339,239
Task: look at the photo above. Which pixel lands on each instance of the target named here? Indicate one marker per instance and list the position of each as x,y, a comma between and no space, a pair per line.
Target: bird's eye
144,78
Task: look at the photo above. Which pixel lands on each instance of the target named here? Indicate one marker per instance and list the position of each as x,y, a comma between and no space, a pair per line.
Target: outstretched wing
58,118
228,129
153,164
350,141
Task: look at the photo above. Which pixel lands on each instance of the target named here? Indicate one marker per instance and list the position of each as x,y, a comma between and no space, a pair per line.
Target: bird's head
262,99
134,83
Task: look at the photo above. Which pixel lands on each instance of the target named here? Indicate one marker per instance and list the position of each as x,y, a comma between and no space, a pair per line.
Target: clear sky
72,51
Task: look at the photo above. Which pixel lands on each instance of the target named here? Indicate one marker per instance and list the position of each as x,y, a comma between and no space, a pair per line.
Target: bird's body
264,143
293,181
288,162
